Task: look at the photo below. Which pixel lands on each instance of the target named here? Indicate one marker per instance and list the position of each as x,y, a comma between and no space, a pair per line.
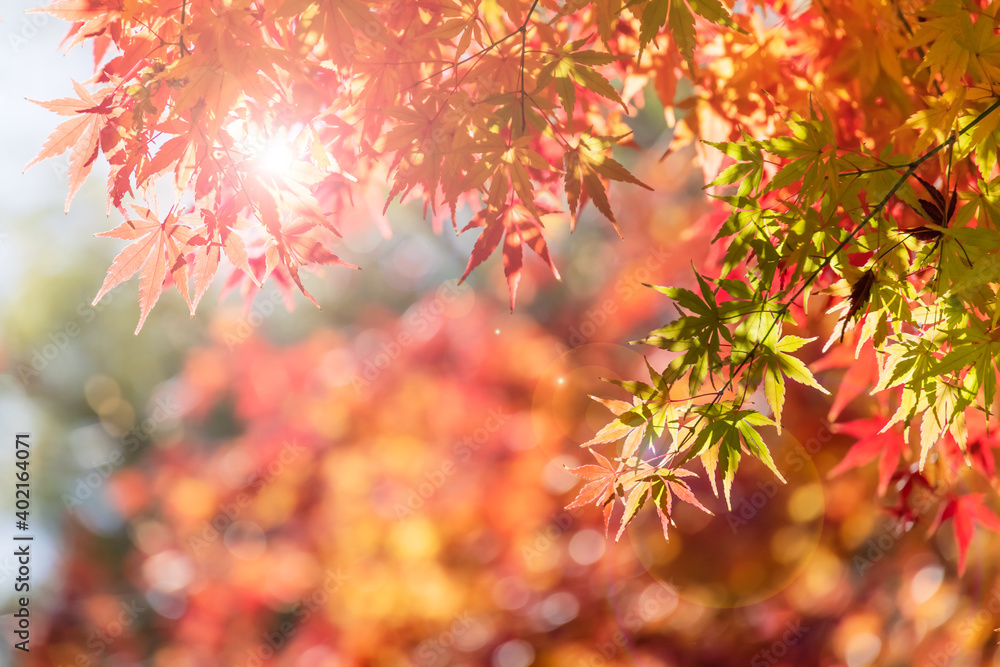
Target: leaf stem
806,282
524,38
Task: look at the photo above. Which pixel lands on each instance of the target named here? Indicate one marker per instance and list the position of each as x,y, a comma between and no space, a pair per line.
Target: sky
31,203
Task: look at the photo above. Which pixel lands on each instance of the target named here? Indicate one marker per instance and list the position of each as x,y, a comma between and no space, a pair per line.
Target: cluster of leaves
270,118
863,139
884,209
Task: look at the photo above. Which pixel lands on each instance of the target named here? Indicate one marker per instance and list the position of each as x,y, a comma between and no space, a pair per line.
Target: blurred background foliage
381,482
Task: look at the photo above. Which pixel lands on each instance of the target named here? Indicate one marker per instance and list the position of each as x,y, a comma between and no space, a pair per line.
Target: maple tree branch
239,179
828,259
556,132
486,26
180,35
454,65
486,49
155,34
524,39
859,172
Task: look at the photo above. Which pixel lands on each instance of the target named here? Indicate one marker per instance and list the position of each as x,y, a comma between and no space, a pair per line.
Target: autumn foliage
273,120
849,149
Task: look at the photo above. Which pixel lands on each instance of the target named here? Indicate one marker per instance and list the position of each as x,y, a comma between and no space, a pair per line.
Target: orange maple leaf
157,250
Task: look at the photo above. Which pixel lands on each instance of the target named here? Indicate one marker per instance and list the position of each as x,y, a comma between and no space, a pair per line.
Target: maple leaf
658,485
601,487
860,295
90,19
956,43
76,11
572,67
871,442
634,501
650,415
363,80
662,490
262,266
178,152
937,211
629,423
721,437
517,227
297,245
81,133
678,15
976,452
157,249
505,164
910,504
779,363
965,511
419,139
215,238
607,12
861,375
585,164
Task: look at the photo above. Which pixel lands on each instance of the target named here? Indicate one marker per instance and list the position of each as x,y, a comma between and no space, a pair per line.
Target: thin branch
910,170
492,45
859,172
524,38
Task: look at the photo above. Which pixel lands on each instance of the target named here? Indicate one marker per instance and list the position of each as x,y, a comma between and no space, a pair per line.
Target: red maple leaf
861,374
215,238
889,447
517,226
978,451
297,245
965,511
